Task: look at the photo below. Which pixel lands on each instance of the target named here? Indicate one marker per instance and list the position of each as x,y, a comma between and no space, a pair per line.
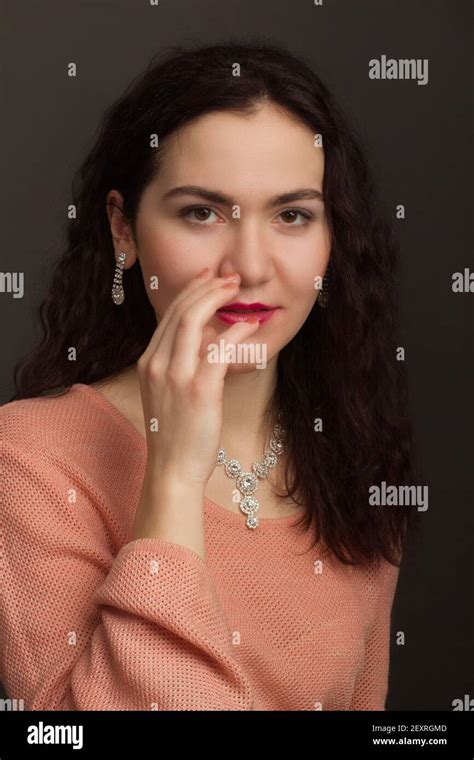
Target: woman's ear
120,228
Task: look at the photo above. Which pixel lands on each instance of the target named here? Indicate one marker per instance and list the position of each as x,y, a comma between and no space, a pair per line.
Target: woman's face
277,246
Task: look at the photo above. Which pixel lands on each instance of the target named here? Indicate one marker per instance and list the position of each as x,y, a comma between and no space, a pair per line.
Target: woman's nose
250,259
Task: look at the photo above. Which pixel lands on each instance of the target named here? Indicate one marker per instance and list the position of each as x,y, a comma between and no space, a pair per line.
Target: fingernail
231,276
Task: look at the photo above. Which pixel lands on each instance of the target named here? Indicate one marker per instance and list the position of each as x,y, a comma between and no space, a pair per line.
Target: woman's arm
370,691
82,629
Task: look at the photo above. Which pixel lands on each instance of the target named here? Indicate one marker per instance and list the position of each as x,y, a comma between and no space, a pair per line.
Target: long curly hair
340,367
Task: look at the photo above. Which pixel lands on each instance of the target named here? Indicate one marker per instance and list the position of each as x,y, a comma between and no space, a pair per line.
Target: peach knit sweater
92,620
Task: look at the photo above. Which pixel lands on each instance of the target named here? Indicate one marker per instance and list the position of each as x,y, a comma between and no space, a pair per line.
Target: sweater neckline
131,431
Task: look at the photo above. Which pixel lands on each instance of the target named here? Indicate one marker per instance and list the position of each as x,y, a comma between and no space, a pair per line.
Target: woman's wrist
171,510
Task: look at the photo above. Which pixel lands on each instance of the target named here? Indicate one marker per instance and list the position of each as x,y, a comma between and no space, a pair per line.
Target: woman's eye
292,213
202,214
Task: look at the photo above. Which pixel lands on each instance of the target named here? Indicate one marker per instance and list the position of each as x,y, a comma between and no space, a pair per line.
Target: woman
224,205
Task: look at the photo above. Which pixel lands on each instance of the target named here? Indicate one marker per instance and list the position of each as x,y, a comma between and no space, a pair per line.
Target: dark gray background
418,138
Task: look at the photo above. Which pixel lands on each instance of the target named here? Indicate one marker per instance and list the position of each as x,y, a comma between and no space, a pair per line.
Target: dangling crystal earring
118,294
323,294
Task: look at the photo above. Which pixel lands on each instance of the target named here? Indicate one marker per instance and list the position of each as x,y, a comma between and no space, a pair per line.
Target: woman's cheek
165,281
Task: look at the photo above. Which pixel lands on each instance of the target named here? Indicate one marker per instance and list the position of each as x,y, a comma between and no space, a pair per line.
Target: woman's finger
198,285
212,373
185,331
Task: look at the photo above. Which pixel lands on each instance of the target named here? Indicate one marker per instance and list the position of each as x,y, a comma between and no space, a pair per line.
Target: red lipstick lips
239,306
241,312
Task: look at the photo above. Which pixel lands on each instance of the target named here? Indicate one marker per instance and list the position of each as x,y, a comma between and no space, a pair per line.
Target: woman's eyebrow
307,193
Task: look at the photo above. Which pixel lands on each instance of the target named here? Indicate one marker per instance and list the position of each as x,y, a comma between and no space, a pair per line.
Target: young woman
188,455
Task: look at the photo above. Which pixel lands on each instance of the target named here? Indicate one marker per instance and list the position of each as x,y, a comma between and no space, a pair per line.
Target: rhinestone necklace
247,482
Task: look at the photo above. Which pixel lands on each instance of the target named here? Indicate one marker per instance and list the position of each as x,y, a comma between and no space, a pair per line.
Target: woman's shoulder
76,426
50,444
43,421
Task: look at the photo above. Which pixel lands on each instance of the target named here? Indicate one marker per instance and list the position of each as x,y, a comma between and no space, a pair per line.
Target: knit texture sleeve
84,627
371,687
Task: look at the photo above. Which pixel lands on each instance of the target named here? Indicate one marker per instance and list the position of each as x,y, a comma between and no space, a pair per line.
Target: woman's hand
180,388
